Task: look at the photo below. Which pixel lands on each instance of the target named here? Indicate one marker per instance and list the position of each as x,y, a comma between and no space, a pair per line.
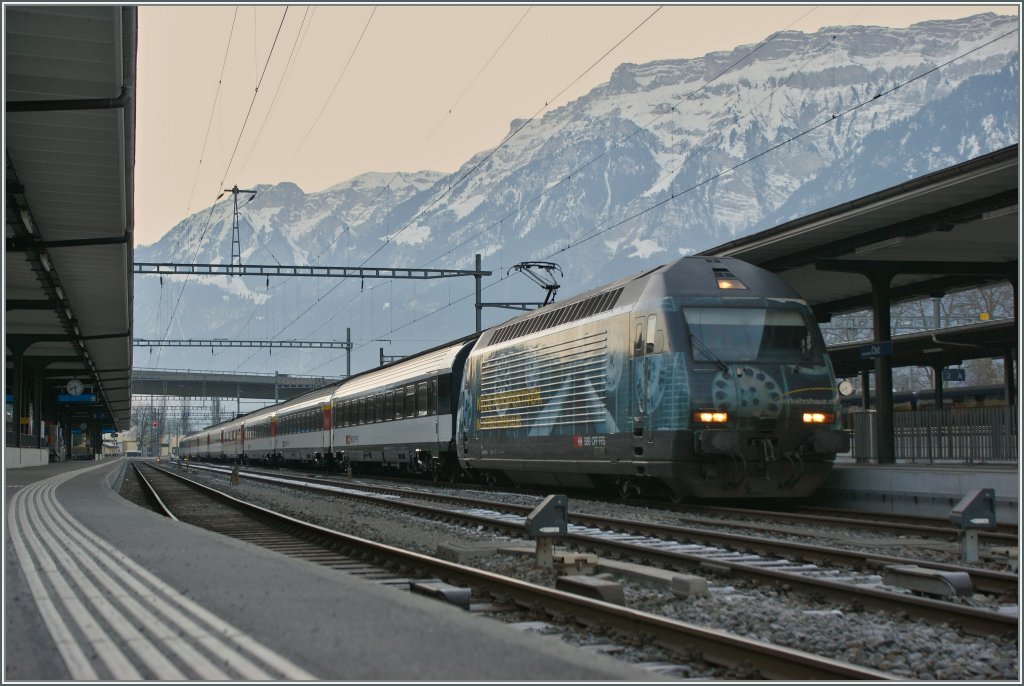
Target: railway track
194,503
895,525
771,562
727,516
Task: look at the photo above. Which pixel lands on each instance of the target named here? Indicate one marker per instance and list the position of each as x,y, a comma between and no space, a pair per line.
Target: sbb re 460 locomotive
704,378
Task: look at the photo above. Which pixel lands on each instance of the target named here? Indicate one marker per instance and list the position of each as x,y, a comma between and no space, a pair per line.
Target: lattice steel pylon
236,245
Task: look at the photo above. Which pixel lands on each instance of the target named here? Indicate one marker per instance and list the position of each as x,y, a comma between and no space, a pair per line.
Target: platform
919,490
98,589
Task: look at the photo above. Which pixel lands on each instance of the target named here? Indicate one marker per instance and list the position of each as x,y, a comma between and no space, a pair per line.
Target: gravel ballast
904,647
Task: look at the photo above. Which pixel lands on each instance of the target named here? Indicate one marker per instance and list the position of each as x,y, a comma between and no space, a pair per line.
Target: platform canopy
953,229
69,158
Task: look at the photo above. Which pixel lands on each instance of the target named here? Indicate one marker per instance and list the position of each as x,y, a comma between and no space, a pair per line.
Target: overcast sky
353,89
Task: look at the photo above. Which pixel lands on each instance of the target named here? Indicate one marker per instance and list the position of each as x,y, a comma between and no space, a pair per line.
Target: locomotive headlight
711,416
818,417
731,283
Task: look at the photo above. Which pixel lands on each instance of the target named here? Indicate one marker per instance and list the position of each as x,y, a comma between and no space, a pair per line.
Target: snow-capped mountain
665,159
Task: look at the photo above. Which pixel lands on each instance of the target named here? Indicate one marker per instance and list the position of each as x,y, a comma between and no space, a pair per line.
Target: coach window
380,408
360,411
410,401
389,406
432,396
399,402
421,399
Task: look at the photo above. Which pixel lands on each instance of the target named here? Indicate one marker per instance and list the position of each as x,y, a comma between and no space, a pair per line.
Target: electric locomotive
705,378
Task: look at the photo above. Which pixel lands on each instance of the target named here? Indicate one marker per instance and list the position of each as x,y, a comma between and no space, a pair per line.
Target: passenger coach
402,416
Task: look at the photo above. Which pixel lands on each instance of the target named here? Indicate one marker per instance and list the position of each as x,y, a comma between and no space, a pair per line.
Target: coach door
644,337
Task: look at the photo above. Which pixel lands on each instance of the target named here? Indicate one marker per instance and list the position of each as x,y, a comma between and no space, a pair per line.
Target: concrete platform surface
99,589
919,489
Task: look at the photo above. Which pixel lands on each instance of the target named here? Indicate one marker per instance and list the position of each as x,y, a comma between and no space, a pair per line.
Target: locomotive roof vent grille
713,260
581,309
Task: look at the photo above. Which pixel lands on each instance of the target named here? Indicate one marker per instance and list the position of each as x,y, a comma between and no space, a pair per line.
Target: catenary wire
206,228
340,77
478,74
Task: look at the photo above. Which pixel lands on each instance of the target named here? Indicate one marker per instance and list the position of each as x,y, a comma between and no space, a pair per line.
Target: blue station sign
876,350
80,398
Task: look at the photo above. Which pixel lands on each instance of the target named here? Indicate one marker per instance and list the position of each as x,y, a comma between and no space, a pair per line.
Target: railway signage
81,398
875,350
959,374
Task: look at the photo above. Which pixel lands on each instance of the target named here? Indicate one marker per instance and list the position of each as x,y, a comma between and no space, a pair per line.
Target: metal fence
965,435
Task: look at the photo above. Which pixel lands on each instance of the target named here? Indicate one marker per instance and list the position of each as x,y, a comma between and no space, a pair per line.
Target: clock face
75,387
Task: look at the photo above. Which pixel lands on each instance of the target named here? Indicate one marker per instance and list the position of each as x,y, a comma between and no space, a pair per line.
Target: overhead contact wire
340,77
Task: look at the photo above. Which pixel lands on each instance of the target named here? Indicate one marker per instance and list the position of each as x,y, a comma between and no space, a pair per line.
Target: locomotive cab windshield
749,334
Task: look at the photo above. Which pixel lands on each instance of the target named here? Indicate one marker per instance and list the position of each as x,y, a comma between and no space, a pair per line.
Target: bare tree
148,421
954,309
